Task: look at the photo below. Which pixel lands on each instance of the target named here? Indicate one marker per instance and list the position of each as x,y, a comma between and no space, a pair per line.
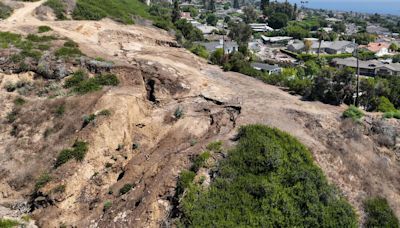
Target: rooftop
264,66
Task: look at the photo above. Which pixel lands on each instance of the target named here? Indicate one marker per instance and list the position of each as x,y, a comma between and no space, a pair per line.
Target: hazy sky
366,6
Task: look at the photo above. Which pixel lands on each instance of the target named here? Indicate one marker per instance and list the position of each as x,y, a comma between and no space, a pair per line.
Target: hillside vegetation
5,11
119,10
268,180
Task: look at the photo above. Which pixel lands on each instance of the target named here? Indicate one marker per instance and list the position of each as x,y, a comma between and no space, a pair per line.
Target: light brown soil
215,104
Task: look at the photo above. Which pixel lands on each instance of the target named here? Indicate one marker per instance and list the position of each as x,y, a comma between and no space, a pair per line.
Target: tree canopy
268,180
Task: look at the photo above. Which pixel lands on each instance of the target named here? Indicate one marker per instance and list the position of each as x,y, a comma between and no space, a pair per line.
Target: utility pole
223,37
356,103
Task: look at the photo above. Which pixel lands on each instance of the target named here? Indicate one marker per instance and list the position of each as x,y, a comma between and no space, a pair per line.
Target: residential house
229,46
379,48
370,67
257,27
206,29
340,47
276,39
186,15
328,29
270,69
332,20
255,46
328,47
377,29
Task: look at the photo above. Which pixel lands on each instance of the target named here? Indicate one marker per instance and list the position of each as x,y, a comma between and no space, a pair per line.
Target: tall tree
236,4
211,5
322,35
278,20
240,32
250,15
176,14
263,4
294,11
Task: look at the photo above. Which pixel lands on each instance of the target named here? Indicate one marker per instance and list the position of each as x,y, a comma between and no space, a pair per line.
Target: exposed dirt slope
157,79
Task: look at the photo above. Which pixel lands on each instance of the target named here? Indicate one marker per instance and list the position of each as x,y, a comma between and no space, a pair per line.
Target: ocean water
363,6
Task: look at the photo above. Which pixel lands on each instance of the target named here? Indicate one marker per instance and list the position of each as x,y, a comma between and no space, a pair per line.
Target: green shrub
80,83
107,205
8,223
34,54
379,213
200,51
10,87
76,79
60,110
77,152
80,149
68,52
215,146
12,116
43,47
178,113
353,112
7,38
125,189
384,105
107,79
36,38
58,8
42,180
43,28
163,24
5,11
59,189
185,179
200,160
64,156
87,86
70,44
390,115
268,180
19,101
88,119
104,112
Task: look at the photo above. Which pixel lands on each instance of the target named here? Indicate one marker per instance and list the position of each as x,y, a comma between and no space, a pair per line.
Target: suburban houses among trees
326,47
303,49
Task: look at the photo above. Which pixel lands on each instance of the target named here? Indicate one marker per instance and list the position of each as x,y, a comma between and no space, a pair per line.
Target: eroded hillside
167,106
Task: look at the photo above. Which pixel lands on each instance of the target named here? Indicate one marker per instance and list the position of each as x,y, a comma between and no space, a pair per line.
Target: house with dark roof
370,67
270,69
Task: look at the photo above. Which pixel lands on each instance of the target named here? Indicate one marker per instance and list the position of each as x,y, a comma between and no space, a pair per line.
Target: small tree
278,20
307,45
176,14
393,47
353,112
236,4
379,213
385,105
212,19
250,15
211,5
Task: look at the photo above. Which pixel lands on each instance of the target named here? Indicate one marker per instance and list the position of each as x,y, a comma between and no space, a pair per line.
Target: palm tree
322,35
